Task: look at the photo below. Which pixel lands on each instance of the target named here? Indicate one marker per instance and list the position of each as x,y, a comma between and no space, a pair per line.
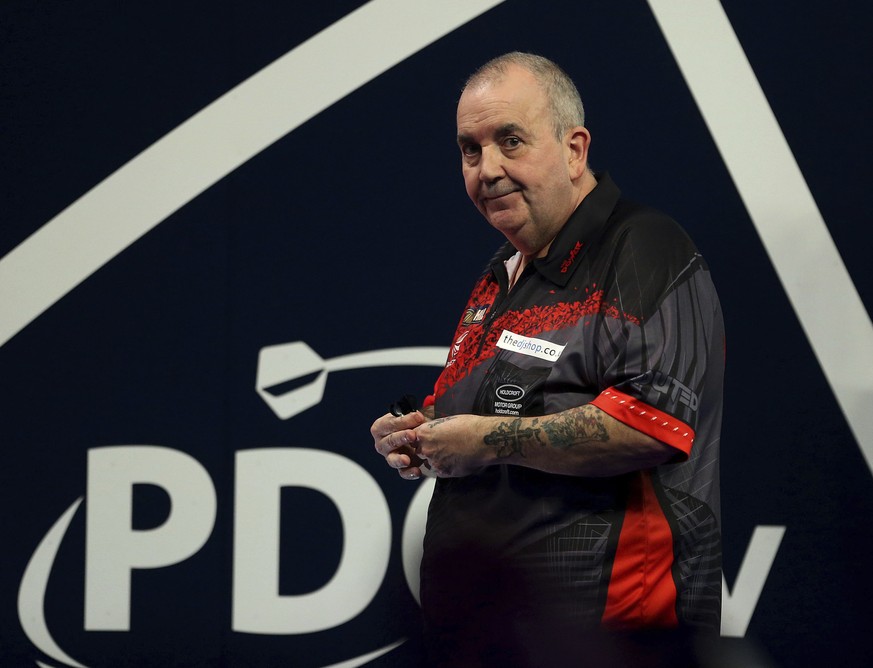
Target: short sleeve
659,364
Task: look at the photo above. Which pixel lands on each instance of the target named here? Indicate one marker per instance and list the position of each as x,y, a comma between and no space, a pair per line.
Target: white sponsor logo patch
526,345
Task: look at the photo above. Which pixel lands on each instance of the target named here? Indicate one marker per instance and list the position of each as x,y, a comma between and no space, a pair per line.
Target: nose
491,164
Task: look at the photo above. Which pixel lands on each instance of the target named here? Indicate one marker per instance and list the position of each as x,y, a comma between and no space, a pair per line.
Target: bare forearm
582,441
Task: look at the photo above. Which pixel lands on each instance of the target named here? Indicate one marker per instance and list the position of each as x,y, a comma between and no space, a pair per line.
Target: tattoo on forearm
566,430
509,439
433,424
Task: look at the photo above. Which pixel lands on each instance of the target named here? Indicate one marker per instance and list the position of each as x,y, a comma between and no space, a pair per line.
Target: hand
453,446
395,439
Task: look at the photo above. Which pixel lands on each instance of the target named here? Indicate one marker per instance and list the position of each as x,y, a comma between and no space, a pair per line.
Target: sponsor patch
527,345
508,399
475,315
509,389
509,392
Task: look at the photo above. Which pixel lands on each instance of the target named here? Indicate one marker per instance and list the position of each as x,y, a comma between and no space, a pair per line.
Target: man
574,430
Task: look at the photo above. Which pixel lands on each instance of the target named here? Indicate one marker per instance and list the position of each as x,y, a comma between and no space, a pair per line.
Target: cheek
471,183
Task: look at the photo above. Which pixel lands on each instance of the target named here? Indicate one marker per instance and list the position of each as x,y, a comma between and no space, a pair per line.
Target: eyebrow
502,131
509,129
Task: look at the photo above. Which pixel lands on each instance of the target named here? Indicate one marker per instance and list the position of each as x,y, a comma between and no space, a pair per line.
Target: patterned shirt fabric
620,313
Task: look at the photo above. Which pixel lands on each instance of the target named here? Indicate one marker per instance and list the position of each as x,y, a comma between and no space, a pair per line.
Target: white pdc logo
113,549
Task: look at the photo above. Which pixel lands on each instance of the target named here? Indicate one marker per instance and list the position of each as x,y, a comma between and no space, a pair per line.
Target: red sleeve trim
642,417
429,400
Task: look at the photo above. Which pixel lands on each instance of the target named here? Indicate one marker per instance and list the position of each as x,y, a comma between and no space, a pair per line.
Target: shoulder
649,254
649,238
645,224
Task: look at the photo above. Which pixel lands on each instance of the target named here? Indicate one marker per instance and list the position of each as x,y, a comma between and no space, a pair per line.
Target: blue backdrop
189,189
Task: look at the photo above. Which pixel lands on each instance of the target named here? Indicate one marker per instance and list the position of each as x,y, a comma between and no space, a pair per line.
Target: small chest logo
509,392
566,264
527,345
474,315
456,348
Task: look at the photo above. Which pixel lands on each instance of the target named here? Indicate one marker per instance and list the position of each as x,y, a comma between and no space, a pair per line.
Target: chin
508,225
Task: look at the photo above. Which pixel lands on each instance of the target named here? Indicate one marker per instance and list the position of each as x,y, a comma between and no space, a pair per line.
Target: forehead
513,99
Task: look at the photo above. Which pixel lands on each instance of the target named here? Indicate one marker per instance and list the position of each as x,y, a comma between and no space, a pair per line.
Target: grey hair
564,99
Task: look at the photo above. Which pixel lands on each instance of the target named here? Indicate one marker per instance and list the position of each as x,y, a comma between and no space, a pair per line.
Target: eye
470,150
511,142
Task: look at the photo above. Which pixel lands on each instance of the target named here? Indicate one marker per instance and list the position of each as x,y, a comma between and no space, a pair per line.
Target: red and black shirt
621,313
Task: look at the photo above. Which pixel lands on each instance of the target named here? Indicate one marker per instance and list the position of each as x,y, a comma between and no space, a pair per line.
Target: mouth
493,197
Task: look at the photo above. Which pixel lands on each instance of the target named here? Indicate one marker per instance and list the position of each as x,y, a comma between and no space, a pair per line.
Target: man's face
515,170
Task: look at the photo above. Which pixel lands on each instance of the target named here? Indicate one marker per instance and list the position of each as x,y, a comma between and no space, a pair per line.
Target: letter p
113,549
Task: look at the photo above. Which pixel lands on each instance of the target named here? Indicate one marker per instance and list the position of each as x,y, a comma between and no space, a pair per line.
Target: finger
428,471
397,440
388,424
410,473
401,459
380,427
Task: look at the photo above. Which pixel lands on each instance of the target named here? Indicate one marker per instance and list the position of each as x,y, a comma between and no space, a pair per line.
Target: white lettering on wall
738,606
366,520
113,549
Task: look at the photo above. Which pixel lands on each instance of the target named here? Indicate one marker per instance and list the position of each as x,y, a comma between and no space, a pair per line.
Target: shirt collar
580,232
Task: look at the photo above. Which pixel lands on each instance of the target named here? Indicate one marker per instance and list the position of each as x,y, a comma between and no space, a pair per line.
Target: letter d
258,606
113,549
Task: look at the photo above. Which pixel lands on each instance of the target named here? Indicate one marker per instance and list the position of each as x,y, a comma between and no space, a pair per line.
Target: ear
577,142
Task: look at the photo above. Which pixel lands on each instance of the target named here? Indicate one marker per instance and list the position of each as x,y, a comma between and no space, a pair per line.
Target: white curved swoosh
778,200
31,593
212,143
31,600
366,658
